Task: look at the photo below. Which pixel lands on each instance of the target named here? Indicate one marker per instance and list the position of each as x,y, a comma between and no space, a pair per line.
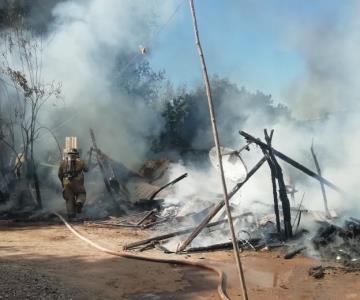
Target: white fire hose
219,272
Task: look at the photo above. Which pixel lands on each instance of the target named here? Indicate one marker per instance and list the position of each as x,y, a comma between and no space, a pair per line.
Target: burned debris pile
142,200
141,220
317,272
278,225
339,243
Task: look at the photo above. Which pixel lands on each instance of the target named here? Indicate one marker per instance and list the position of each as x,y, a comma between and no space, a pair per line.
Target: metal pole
217,145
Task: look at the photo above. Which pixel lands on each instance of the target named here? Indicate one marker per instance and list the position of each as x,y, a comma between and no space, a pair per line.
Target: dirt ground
42,261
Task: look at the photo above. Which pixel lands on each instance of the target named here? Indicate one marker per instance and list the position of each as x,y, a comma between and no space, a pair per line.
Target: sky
252,42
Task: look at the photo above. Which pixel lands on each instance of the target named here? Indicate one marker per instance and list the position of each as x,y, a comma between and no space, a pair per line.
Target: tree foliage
134,76
186,116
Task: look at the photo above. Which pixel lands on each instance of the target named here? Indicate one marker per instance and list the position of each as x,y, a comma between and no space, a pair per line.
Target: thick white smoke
330,49
328,90
325,95
87,37
81,52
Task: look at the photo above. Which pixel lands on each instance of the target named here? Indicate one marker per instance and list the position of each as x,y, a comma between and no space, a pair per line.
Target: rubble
139,201
262,232
131,190
339,243
176,233
292,253
317,272
138,220
243,244
218,207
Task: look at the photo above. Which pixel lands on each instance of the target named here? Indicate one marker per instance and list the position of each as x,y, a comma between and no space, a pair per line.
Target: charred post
273,182
318,169
282,188
110,186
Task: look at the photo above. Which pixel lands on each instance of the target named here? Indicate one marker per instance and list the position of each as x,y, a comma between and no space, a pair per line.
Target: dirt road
48,262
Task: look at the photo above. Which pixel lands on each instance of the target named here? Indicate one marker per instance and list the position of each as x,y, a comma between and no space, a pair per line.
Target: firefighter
71,175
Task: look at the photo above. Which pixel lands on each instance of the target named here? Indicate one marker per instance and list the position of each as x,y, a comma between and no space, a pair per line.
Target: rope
221,279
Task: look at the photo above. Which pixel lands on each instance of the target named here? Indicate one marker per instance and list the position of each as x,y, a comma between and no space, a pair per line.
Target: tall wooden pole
217,145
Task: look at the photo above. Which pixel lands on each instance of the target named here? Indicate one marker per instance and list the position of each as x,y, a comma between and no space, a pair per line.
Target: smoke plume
89,47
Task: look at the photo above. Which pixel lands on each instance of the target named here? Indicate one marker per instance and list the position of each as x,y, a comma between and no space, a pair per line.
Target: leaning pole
217,145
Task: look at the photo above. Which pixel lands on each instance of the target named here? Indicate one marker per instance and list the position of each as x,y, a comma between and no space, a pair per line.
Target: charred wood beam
276,201
282,188
152,224
176,233
113,225
128,218
317,165
100,160
285,205
294,252
132,221
147,247
168,184
219,206
108,184
148,215
290,161
298,214
273,183
242,244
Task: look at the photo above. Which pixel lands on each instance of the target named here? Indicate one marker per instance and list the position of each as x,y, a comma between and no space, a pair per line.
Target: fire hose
219,272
